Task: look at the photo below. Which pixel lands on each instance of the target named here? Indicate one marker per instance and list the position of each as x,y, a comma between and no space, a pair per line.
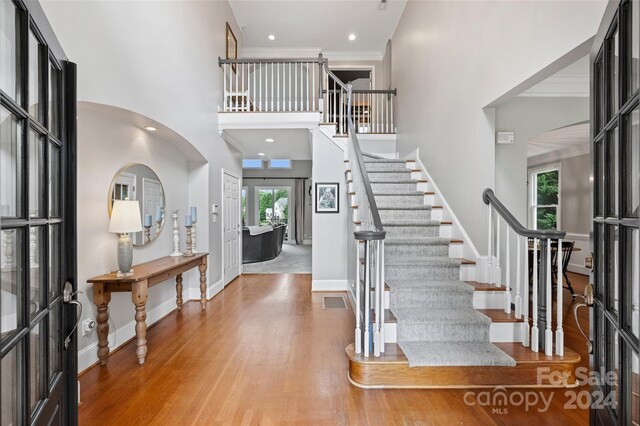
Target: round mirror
137,182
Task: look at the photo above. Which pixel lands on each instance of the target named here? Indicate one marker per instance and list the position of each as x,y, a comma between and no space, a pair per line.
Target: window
252,164
279,164
544,199
272,205
244,205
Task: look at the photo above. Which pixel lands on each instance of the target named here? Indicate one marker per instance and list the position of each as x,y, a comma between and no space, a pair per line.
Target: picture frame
232,46
328,197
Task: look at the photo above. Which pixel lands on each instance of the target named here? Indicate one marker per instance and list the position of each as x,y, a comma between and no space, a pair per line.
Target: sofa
262,247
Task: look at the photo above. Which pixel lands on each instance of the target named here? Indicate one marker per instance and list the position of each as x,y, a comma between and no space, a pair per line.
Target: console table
144,276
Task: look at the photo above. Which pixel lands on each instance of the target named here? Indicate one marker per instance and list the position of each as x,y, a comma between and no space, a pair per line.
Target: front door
37,232
615,326
231,226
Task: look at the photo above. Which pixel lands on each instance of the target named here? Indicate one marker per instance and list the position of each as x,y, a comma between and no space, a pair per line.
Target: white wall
450,60
105,144
160,60
528,117
330,231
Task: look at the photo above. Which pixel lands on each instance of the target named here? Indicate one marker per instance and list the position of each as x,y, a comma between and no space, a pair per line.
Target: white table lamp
125,218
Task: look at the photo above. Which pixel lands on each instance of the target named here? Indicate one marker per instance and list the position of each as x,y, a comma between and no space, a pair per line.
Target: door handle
67,297
588,262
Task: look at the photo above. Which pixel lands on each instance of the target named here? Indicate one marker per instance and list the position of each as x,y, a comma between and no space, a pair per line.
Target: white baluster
367,299
559,330
235,89
498,274
358,336
507,293
534,306
295,85
518,301
313,88
260,107
548,334
525,299
393,125
307,85
225,101
272,76
376,261
382,296
489,244
254,97
243,104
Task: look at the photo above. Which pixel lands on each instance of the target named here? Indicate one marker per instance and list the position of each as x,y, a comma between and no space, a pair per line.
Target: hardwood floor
265,352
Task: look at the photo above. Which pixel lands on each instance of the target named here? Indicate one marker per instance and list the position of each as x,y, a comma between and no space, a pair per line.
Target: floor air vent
333,302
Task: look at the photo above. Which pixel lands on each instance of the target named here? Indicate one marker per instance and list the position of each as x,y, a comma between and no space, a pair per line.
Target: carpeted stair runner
436,322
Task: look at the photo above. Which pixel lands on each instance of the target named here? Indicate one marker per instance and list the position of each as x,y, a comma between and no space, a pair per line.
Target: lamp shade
125,217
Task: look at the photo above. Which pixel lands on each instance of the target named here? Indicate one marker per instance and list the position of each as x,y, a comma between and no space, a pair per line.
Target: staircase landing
532,369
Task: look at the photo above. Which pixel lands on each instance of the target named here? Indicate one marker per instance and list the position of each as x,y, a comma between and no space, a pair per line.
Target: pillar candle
194,214
158,214
147,220
188,221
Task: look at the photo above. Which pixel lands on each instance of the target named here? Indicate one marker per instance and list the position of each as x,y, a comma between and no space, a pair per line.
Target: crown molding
560,86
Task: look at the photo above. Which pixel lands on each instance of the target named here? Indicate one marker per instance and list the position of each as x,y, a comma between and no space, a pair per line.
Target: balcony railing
304,85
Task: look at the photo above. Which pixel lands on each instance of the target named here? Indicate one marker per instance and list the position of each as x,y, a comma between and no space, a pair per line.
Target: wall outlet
88,326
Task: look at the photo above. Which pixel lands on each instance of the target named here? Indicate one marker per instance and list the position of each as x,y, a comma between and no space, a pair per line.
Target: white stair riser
446,231
488,299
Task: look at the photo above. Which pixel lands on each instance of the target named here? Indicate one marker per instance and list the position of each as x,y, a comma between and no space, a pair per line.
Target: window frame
532,194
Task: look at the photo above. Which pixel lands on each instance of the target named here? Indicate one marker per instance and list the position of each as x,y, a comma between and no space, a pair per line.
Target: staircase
438,329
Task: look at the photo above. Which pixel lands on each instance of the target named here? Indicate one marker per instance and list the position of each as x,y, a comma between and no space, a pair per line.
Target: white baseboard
89,355
212,290
329,285
306,242
578,269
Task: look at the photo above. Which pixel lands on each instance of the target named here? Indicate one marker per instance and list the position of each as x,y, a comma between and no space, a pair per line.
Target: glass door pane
10,370
35,77
11,164
11,280
631,164
36,174
35,367
612,79
55,85
265,206
37,285
9,70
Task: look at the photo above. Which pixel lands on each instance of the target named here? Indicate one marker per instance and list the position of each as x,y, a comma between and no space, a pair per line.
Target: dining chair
567,249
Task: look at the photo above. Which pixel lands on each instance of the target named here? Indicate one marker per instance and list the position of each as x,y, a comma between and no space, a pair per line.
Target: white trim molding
582,241
329,285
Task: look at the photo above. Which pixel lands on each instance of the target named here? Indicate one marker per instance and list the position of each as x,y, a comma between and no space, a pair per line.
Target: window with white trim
544,197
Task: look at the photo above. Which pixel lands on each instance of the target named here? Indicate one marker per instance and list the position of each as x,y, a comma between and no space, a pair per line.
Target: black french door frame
59,392
614,101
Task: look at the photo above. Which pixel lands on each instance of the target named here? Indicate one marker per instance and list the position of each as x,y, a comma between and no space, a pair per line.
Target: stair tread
383,160
484,286
400,193
422,241
499,315
450,286
416,222
424,261
407,171
456,354
396,181
457,316
396,207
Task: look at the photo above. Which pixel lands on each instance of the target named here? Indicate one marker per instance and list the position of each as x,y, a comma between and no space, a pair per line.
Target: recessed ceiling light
261,154
352,37
271,37
150,128
269,140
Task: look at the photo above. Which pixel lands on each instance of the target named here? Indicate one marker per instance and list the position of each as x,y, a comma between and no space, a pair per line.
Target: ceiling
310,26
293,144
571,81
565,140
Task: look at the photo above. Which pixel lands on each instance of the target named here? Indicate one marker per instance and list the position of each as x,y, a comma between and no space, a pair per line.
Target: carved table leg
101,298
179,291
139,295
203,282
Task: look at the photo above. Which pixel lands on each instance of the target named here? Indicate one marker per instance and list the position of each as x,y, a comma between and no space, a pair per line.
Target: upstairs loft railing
548,244
304,85
369,242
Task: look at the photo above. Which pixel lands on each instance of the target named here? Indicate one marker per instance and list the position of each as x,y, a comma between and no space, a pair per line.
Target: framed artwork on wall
232,46
327,198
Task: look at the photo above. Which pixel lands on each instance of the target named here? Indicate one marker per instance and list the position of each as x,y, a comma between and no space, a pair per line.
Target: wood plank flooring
265,352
